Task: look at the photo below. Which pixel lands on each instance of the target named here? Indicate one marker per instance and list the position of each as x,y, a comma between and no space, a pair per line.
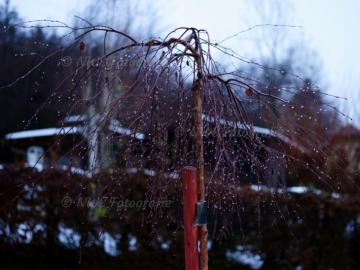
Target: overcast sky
329,27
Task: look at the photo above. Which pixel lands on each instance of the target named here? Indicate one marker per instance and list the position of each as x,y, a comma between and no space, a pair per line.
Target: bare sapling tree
176,106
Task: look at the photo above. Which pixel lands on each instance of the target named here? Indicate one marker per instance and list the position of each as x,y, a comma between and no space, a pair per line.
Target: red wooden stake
190,231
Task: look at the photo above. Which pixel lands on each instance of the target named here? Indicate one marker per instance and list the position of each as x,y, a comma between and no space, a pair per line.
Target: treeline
36,89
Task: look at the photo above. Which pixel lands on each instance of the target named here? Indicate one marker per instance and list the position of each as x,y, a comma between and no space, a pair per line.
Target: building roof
47,132
44,132
255,129
115,127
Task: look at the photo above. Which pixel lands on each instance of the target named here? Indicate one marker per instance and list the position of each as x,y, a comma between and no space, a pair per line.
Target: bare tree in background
138,18
282,49
272,43
129,17
279,41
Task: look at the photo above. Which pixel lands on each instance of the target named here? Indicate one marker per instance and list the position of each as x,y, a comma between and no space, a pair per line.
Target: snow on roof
115,127
75,118
45,132
258,130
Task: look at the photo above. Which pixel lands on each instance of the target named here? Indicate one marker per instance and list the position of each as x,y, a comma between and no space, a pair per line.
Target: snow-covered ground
242,254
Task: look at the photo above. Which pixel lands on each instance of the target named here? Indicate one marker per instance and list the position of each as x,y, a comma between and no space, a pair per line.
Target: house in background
44,147
66,146
76,145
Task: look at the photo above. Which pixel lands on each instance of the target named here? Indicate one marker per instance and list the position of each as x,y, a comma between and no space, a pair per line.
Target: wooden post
198,91
189,188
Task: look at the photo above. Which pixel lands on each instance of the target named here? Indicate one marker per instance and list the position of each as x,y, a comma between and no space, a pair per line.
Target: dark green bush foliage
284,230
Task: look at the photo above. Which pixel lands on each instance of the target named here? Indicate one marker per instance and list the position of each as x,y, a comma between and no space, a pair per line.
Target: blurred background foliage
272,231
